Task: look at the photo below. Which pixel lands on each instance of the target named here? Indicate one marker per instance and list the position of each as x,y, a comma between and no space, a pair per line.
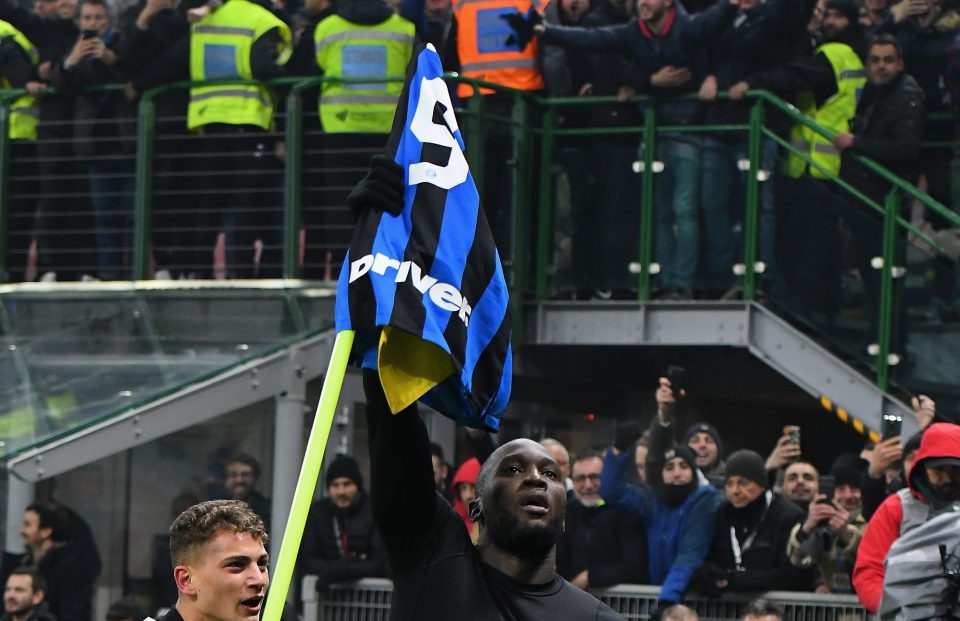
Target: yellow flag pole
309,471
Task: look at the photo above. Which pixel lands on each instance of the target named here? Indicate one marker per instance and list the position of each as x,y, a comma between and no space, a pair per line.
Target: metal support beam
19,497
288,445
845,391
256,380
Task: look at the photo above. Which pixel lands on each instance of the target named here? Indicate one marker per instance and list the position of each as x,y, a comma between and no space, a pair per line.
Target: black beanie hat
344,466
684,452
848,8
708,429
749,465
847,470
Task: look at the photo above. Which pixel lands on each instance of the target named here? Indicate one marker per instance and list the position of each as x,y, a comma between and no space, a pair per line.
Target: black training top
438,573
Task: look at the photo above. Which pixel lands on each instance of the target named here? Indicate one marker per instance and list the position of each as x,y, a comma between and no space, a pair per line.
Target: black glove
662,606
381,189
522,25
710,580
627,434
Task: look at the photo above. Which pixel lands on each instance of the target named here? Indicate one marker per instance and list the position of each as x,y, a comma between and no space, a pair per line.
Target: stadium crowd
682,511
218,158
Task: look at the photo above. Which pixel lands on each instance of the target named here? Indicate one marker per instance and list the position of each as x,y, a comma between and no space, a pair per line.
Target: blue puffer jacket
678,539
680,44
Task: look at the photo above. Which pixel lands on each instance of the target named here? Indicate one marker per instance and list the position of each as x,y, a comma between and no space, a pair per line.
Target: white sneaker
49,277
163,275
89,278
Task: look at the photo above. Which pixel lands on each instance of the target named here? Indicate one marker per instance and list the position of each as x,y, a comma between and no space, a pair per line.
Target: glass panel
73,357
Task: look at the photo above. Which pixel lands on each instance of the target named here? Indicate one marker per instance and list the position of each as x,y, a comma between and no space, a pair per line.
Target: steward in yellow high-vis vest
361,48
221,47
833,114
24,111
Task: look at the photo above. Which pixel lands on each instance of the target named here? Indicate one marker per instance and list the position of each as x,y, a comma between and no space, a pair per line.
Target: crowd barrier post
752,219
887,315
521,211
143,185
5,102
292,182
545,208
644,285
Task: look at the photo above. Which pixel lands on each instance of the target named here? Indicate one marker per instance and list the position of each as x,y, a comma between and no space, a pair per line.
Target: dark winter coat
679,44
342,545
888,128
605,542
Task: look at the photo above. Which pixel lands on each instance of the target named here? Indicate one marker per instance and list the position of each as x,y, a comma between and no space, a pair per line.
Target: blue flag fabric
425,290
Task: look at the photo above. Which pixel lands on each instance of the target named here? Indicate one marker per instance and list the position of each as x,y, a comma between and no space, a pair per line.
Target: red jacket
939,440
466,473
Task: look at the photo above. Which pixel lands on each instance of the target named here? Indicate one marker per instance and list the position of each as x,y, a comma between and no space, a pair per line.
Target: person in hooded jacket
908,508
705,441
752,528
464,487
677,508
341,542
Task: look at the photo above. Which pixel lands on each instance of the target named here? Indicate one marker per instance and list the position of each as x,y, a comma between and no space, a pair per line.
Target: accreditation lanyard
738,550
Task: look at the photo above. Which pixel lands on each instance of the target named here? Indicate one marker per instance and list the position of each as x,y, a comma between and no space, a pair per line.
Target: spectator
677,508
888,460
753,526
599,546
846,472
18,60
679,612
562,455
340,543
830,535
603,188
828,83
785,452
68,576
640,452
887,128
926,29
439,18
441,471
104,132
905,510
58,218
705,441
464,486
233,119
666,47
763,610
355,118
23,597
126,609
242,474
801,483
220,563
751,42
180,246
873,13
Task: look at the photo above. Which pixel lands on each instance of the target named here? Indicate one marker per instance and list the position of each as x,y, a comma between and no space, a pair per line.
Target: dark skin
526,484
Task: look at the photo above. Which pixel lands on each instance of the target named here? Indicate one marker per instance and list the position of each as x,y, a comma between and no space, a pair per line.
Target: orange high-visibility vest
483,49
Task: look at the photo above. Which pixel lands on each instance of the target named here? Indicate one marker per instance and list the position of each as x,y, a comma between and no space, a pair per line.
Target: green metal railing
534,120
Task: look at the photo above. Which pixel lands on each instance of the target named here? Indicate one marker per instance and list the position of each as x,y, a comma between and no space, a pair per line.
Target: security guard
350,44
829,84
18,61
240,39
361,39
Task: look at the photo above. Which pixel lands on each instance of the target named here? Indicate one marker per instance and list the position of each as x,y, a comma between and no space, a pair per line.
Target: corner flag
425,290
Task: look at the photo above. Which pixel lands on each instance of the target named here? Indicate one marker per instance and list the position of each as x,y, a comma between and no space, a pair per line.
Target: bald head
511,447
